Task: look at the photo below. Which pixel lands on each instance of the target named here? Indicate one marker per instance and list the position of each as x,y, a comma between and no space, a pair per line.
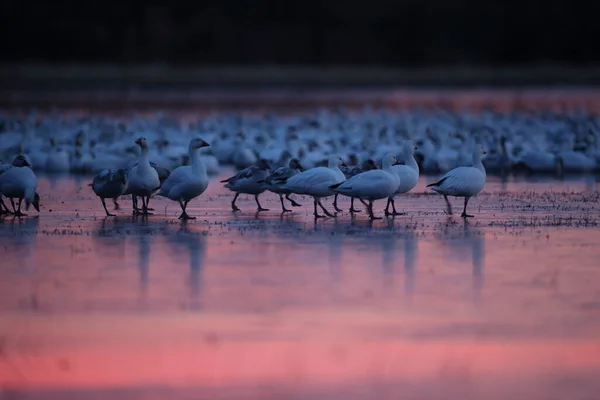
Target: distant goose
349,172
249,181
142,179
462,181
187,182
58,160
316,182
274,182
19,182
371,185
408,174
110,184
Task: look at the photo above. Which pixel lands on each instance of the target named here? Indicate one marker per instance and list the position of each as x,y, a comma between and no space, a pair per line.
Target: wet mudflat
247,306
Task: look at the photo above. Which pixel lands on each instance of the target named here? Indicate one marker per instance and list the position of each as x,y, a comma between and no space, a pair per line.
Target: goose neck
197,164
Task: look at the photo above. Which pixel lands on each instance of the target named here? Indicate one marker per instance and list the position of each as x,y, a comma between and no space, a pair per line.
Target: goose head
388,160
35,202
198,143
410,147
295,164
263,165
21,161
142,142
336,161
369,165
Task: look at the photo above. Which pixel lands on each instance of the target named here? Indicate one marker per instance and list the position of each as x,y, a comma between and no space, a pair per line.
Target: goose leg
325,210
294,203
19,213
12,203
134,204
364,202
316,214
233,206
370,208
117,206
352,209
394,212
146,208
258,204
335,206
104,205
283,205
464,214
3,208
448,204
184,214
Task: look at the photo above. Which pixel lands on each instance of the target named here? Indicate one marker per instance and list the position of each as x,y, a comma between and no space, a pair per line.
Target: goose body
274,182
187,182
20,182
408,174
142,179
316,182
371,185
58,159
349,172
110,184
462,181
249,181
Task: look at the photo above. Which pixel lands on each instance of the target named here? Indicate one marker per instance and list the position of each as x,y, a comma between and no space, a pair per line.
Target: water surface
423,306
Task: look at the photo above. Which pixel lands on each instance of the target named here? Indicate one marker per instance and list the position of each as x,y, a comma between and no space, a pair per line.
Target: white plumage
408,174
372,185
316,182
187,182
462,181
142,179
20,182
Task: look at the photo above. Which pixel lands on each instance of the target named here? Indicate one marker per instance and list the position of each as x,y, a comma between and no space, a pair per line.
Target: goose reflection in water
186,241
390,244
461,239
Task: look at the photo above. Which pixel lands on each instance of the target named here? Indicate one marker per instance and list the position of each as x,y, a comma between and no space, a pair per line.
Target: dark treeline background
326,32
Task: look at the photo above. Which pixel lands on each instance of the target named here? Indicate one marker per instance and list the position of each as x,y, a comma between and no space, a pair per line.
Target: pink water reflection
421,304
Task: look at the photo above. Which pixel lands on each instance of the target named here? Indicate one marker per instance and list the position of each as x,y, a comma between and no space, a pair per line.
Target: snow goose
187,182
371,185
462,181
349,172
408,174
316,182
142,179
19,161
110,184
277,178
249,181
20,182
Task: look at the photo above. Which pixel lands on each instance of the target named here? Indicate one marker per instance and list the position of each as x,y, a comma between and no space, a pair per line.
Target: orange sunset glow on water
421,306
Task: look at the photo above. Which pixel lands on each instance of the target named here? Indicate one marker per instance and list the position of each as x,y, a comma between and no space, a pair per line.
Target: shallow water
246,306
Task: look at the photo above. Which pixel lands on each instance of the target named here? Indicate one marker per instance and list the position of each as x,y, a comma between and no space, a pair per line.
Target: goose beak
138,141
484,152
204,144
343,164
397,162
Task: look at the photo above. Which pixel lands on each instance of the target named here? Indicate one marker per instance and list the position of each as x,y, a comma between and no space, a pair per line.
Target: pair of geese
367,184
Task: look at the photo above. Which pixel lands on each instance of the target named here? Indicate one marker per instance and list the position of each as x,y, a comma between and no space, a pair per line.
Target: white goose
249,181
274,182
19,161
408,174
349,172
462,181
187,182
110,184
142,179
20,182
316,183
58,160
372,185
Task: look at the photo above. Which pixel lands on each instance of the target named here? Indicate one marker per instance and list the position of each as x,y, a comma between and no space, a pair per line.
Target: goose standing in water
349,172
249,181
462,181
408,174
19,161
142,179
187,182
110,184
372,185
274,182
19,182
316,182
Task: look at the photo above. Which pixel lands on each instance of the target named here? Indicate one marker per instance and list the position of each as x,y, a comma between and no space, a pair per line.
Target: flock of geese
142,180
301,154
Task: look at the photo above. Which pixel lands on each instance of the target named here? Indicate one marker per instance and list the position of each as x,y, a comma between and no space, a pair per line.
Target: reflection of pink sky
286,309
